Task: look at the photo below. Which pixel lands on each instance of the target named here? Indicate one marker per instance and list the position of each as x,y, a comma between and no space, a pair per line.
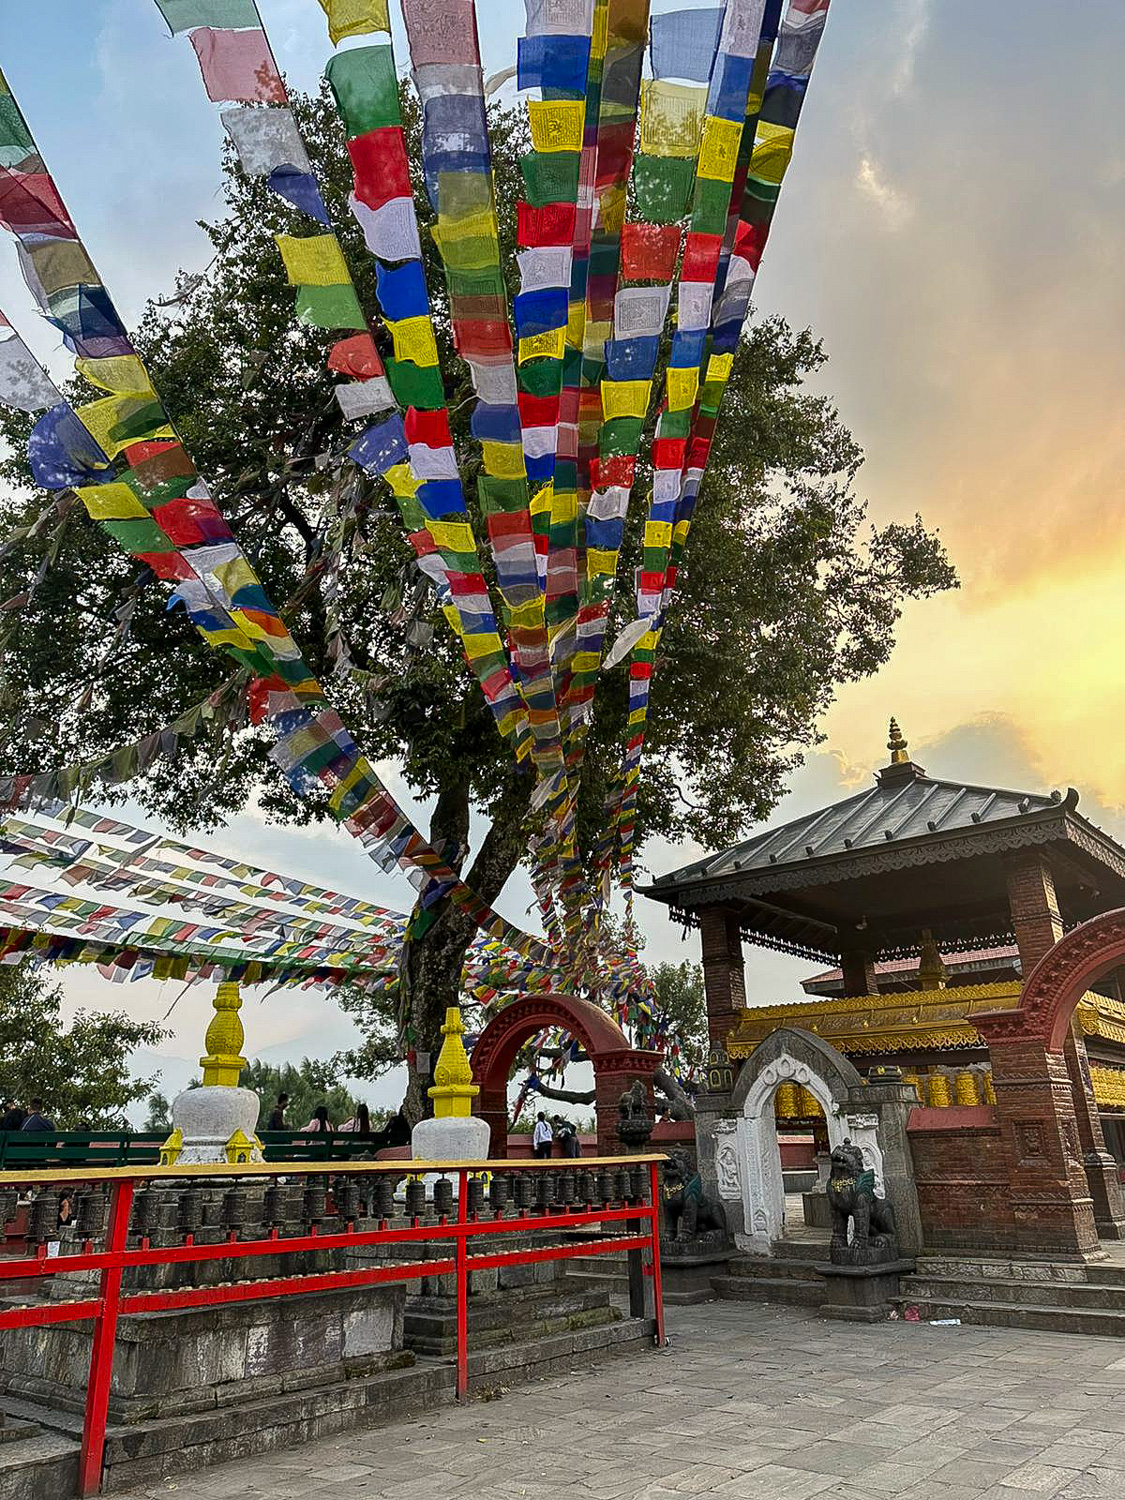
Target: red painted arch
1060,979
616,1064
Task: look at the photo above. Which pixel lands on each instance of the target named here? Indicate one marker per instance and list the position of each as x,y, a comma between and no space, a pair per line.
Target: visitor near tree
37,1120
360,1122
277,1114
542,1136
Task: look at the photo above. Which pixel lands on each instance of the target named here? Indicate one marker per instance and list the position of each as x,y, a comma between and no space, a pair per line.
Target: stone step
805,1244
767,1265
430,1329
1106,1275
788,1289
39,1467
12,1431
1021,1315
1024,1293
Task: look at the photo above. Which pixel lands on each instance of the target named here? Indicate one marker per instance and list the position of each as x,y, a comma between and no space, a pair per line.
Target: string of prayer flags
227,602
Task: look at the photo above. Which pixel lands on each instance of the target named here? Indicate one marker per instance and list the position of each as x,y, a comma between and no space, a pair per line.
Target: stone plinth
861,1294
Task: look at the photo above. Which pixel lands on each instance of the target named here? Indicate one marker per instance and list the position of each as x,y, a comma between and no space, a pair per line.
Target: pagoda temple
932,900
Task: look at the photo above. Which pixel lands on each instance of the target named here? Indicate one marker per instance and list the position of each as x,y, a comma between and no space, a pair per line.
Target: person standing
277,1115
542,1136
37,1120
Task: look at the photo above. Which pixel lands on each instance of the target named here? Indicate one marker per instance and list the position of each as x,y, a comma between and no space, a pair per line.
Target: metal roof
897,809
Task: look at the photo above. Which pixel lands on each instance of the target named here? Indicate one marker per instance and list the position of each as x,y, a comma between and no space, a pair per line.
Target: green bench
20,1149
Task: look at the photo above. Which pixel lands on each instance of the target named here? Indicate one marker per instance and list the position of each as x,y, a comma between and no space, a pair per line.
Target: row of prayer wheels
939,1087
942,1087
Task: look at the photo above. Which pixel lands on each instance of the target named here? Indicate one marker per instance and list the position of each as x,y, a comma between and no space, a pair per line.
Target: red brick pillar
1034,909
612,1076
492,1105
1101,1169
1051,1206
724,978
859,972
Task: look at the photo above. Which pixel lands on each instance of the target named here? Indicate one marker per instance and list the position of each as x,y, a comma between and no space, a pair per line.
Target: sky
952,227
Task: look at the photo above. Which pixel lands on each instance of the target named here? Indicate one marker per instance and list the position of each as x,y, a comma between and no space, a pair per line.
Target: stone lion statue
687,1209
851,1197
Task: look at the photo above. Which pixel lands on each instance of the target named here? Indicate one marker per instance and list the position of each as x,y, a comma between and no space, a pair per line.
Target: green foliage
680,997
159,1115
308,1083
80,1071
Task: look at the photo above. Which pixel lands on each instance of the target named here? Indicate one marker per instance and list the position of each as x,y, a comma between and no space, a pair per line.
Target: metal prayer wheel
43,1222
146,1212
621,1184
787,1101
605,1185
415,1198
940,1093
273,1207
443,1197
525,1191
91,1213
567,1188
546,1194
384,1197
586,1187
313,1203
499,1192
810,1107
966,1087
474,1195
638,1176
348,1201
233,1212
189,1210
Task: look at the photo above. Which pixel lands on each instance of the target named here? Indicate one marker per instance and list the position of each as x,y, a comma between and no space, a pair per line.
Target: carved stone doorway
787,1055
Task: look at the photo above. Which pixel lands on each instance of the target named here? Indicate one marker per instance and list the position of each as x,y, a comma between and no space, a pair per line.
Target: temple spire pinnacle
896,744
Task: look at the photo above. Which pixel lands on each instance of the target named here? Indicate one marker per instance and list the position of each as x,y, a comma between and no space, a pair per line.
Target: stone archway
1064,1188
616,1064
790,1054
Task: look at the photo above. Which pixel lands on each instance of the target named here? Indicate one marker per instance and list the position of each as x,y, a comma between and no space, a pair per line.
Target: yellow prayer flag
576,324
682,386
773,146
658,533
541,501
450,613
401,479
611,209
551,345
587,661
468,243
719,366
234,575
503,460
680,531
355,17
484,644
671,117
649,641
414,340
528,616
313,261
564,507
600,562
111,502
599,41
357,774
452,536
718,153
556,124
116,421
123,374
625,398
227,636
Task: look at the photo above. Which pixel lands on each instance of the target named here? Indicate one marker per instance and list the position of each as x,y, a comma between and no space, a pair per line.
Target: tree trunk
431,967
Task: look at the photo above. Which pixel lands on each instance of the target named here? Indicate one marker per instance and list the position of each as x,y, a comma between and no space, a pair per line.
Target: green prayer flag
663,186
184,15
138,535
16,144
541,377
620,436
365,86
711,206
550,177
416,385
330,307
507,495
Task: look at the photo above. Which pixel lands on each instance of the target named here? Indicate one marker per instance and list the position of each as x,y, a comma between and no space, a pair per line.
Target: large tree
787,590
82,1071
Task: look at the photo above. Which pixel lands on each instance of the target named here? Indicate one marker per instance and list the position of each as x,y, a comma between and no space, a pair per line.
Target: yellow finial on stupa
223,1060
896,744
453,1091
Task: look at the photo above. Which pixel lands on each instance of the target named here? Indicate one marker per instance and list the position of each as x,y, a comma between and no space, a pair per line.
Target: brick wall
724,978
961,1173
1034,908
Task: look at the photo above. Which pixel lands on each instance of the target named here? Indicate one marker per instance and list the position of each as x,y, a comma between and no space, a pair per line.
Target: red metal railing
638,1215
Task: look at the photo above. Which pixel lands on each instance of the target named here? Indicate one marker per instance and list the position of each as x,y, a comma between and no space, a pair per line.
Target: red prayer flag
429,427
553,224
379,165
701,257
648,251
189,522
238,65
357,357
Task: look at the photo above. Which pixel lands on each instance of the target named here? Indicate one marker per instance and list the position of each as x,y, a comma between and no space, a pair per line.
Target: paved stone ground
766,1403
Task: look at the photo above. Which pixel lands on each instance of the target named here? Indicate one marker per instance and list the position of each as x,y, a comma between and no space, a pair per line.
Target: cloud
894,206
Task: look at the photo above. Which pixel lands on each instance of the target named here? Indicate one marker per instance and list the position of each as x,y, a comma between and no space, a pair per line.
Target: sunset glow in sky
953,227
